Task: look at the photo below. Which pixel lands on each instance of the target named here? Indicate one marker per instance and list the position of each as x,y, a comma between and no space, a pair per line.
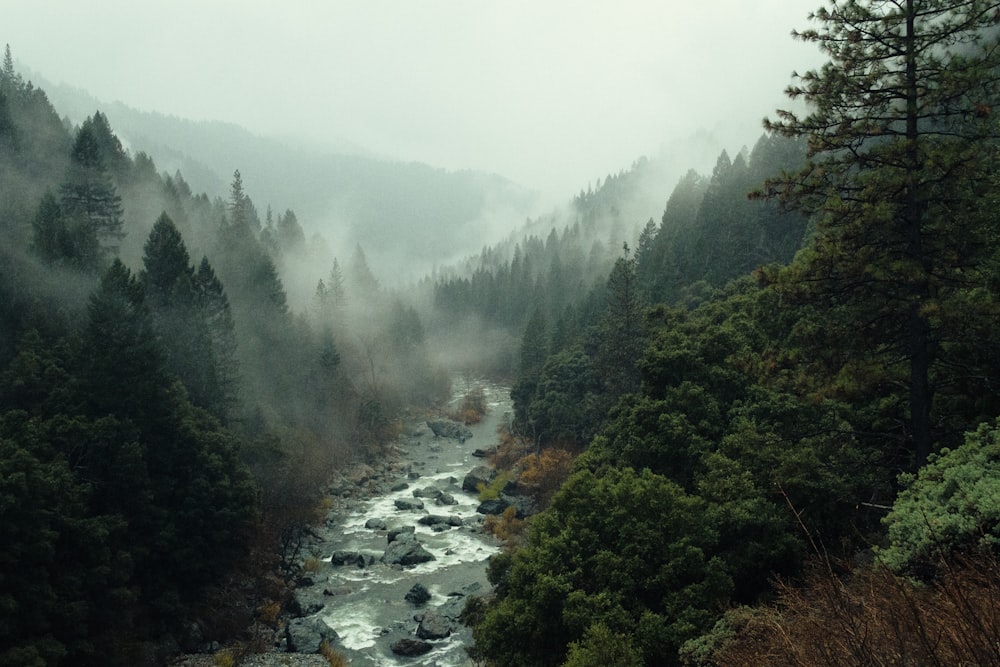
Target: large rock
409,648
399,533
446,428
427,492
523,505
418,595
445,499
407,505
375,524
304,603
434,520
304,635
434,626
405,550
478,475
349,558
493,506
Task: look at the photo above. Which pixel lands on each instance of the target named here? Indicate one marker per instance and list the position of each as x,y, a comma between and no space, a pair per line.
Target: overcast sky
549,93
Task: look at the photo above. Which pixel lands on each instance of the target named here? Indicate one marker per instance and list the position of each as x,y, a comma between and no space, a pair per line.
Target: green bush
951,505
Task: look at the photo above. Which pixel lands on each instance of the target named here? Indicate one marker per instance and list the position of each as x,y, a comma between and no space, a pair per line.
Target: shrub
951,505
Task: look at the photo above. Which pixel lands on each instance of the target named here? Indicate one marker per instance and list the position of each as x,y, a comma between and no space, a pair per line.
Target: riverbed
366,605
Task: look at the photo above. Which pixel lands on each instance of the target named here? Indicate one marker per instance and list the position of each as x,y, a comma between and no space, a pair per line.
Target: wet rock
523,505
406,551
349,558
413,475
375,524
418,595
434,626
492,506
445,499
478,475
446,428
399,486
396,533
303,603
480,453
409,648
406,504
304,635
434,520
427,492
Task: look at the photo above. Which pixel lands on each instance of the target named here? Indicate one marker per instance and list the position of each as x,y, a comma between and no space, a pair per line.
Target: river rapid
367,606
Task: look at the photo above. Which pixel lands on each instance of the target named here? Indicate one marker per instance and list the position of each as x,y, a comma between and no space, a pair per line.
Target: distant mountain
407,216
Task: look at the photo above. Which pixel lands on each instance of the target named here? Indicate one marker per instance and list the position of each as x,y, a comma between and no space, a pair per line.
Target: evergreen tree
898,131
622,335
88,197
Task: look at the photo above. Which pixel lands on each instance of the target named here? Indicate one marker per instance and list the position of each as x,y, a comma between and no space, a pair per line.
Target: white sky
552,94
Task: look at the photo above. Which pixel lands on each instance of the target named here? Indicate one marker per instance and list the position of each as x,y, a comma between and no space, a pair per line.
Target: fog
551,95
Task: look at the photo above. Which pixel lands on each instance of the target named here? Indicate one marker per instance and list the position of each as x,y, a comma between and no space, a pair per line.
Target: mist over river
364,601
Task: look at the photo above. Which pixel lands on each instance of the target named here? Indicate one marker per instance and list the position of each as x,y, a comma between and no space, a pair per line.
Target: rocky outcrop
304,635
446,428
480,475
523,505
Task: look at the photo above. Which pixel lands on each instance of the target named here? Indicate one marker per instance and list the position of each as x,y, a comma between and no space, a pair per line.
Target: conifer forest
761,427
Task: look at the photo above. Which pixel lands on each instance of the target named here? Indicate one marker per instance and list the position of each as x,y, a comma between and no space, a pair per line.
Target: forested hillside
761,429
744,389
167,424
409,216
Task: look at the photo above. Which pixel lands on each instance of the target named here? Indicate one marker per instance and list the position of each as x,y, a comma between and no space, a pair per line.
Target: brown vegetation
506,527
472,407
543,474
872,617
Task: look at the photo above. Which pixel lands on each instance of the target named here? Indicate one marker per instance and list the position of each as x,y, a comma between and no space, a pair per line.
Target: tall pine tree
898,128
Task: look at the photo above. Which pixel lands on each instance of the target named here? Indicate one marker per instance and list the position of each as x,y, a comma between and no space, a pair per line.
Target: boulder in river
427,492
445,499
446,428
399,533
418,595
434,626
406,504
409,648
478,475
406,551
349,558
375,524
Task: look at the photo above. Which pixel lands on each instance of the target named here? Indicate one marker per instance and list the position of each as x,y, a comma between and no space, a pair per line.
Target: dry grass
872,617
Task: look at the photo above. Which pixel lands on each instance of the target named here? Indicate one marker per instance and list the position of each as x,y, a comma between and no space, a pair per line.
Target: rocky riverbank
386,575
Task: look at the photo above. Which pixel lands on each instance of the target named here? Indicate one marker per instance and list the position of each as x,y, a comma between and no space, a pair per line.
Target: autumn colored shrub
543,474
506,527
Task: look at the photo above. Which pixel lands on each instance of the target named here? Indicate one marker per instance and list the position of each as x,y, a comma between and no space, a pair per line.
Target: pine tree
898,132
88,196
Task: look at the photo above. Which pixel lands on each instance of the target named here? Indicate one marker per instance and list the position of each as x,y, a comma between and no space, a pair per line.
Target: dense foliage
167,423
780,407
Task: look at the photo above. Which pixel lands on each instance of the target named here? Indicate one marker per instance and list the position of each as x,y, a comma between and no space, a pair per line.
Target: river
366,606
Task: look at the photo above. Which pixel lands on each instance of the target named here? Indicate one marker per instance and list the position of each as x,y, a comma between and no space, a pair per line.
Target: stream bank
391,567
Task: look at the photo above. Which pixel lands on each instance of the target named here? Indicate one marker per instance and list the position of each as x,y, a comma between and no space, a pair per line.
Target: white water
368,609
